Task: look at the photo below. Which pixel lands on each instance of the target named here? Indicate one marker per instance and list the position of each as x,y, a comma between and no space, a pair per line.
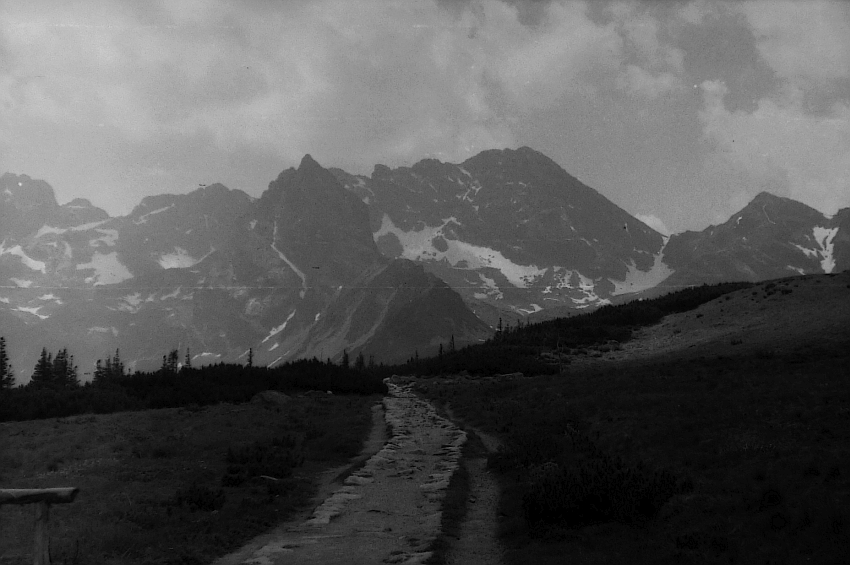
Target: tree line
56,391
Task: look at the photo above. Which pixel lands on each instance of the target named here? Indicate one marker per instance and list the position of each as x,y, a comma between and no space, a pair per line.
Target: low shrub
598,490
199,498
276,458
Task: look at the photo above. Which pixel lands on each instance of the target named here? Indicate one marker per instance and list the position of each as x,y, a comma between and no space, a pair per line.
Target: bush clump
276,458
598,490
199,498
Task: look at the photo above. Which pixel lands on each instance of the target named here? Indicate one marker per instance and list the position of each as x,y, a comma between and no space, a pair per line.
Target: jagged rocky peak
82,211
26,192
787,205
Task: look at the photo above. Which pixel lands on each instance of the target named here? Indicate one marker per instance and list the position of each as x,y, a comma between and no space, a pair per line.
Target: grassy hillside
717,435
174,485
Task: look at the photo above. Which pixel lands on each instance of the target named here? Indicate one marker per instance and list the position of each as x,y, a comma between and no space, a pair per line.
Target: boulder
270,398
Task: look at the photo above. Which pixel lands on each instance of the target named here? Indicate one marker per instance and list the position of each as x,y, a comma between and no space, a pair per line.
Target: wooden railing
42,498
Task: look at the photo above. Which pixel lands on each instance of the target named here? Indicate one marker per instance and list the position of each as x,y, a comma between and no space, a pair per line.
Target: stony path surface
388,511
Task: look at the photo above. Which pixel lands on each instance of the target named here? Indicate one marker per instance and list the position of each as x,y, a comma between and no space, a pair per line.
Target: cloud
781,143
566,54
797,138
651,66
806,43
654,222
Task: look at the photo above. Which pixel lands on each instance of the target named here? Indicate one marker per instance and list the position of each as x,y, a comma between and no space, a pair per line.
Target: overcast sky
678,112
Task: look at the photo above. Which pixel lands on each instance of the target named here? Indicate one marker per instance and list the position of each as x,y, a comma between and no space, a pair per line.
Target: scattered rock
270,398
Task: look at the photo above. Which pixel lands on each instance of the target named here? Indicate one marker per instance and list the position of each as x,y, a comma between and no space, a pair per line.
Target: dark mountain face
213,271
510,230
772,237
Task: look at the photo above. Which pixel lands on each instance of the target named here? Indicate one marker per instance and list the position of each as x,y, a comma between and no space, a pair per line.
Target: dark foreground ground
733,429
177,485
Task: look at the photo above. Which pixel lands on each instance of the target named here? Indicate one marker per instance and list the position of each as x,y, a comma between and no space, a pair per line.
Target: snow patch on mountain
170,295
418,245
88,226
108,238
45,229
575,281
180,259
17,251
4,300
292,266
806,251
31,310
638,281
279,328
491,289
143,219
21,283
100,329
534,309
824,238
107,269
130,303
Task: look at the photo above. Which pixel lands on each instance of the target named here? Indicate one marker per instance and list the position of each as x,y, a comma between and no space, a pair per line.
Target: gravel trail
389,511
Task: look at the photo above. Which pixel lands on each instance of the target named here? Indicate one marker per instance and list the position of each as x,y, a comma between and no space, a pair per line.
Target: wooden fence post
41,545
42,498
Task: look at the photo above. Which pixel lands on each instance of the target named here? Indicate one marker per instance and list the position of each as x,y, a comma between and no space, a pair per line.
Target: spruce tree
116,370
99,378
64,370
42,374
7,376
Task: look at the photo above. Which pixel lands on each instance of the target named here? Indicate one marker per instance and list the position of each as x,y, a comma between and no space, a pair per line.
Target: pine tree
116,370
99,378
452,344
69,377
345,361
169,362
187,363
7,376
42,374
250,357
360,362
64,370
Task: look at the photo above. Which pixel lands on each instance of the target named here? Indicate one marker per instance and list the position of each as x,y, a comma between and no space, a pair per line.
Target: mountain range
393,264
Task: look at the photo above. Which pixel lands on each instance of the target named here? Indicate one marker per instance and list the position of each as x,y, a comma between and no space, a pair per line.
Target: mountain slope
771,237
510,230
213,271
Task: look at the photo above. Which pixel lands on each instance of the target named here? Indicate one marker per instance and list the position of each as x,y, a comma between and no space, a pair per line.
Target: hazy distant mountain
294,273
399,262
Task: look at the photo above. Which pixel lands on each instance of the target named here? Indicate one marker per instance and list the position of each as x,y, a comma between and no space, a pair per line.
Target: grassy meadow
174,485
719,435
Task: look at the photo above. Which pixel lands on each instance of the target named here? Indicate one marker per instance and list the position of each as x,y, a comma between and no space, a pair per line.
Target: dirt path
388,511
478,543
